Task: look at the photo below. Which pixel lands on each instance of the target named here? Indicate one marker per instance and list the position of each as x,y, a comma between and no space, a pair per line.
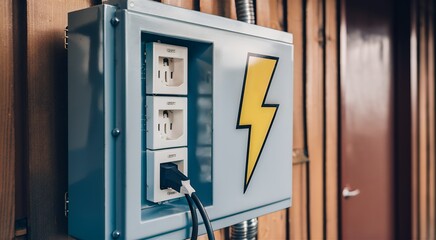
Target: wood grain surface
431,123
315,115
423,124
298,213
273,226
188,4
414,118
7,126
270,13
332,122
224,8
47,115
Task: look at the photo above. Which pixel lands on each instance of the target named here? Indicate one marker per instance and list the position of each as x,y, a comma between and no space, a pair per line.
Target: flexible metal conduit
245,11
246,230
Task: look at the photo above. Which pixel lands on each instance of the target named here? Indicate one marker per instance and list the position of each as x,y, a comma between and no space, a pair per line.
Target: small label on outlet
171,103
171,192
171,50
172,155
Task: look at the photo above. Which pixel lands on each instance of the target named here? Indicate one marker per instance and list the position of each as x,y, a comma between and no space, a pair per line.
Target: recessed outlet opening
197,85
170,71
170,124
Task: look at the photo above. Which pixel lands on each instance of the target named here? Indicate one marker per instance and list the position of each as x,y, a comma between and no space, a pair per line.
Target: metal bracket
299,156
21,228
66,38
66,202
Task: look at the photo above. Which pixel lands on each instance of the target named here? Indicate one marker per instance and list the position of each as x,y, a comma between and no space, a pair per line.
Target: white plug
166,69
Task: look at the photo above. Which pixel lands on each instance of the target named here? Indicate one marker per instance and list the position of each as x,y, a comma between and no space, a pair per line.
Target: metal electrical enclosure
238,111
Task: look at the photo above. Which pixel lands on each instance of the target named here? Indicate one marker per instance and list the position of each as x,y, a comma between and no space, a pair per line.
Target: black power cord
204,215
171,177
194,217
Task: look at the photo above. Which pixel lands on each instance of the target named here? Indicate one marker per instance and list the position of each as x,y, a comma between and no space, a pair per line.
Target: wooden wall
423,120
41,114
33,113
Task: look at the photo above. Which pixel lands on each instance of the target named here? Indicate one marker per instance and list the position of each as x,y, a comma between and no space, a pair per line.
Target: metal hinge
21,228
66,202
66,38
299,156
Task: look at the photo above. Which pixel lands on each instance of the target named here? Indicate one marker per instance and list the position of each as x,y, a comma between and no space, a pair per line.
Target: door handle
347,193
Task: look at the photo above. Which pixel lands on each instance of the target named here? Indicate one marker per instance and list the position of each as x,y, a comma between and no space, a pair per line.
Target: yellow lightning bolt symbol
254,113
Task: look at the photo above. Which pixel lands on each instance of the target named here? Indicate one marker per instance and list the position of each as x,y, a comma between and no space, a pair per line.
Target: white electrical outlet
154,160
166,69
166,122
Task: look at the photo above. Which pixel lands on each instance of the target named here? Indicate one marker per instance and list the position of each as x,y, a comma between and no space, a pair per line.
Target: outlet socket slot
166,69
170,124
166,122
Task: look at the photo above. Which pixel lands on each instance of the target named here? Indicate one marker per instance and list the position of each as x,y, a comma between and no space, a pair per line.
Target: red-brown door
370,61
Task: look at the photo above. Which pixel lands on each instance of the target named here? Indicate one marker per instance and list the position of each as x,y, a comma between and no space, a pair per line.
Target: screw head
116,132
115,21
116,234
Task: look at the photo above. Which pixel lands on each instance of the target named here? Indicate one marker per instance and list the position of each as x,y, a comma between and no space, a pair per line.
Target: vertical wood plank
270,14
423,156
431,122
230,9
315,115
47,115
213,7
272,226
7,126
295,26
225,8
298,228
188,4
332,127
414,118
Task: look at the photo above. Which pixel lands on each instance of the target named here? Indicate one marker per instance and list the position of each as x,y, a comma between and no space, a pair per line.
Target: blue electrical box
150,83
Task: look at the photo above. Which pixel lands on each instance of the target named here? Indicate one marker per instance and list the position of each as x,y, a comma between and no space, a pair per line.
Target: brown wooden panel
213,7
431,124
272,226
188,4
423,130
269,13
298,228
332,157
295,26
7,126
315,114
47,115
414,117
225,8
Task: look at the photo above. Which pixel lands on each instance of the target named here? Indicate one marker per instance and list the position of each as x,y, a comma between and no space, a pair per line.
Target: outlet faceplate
154,160
166,122
166,69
